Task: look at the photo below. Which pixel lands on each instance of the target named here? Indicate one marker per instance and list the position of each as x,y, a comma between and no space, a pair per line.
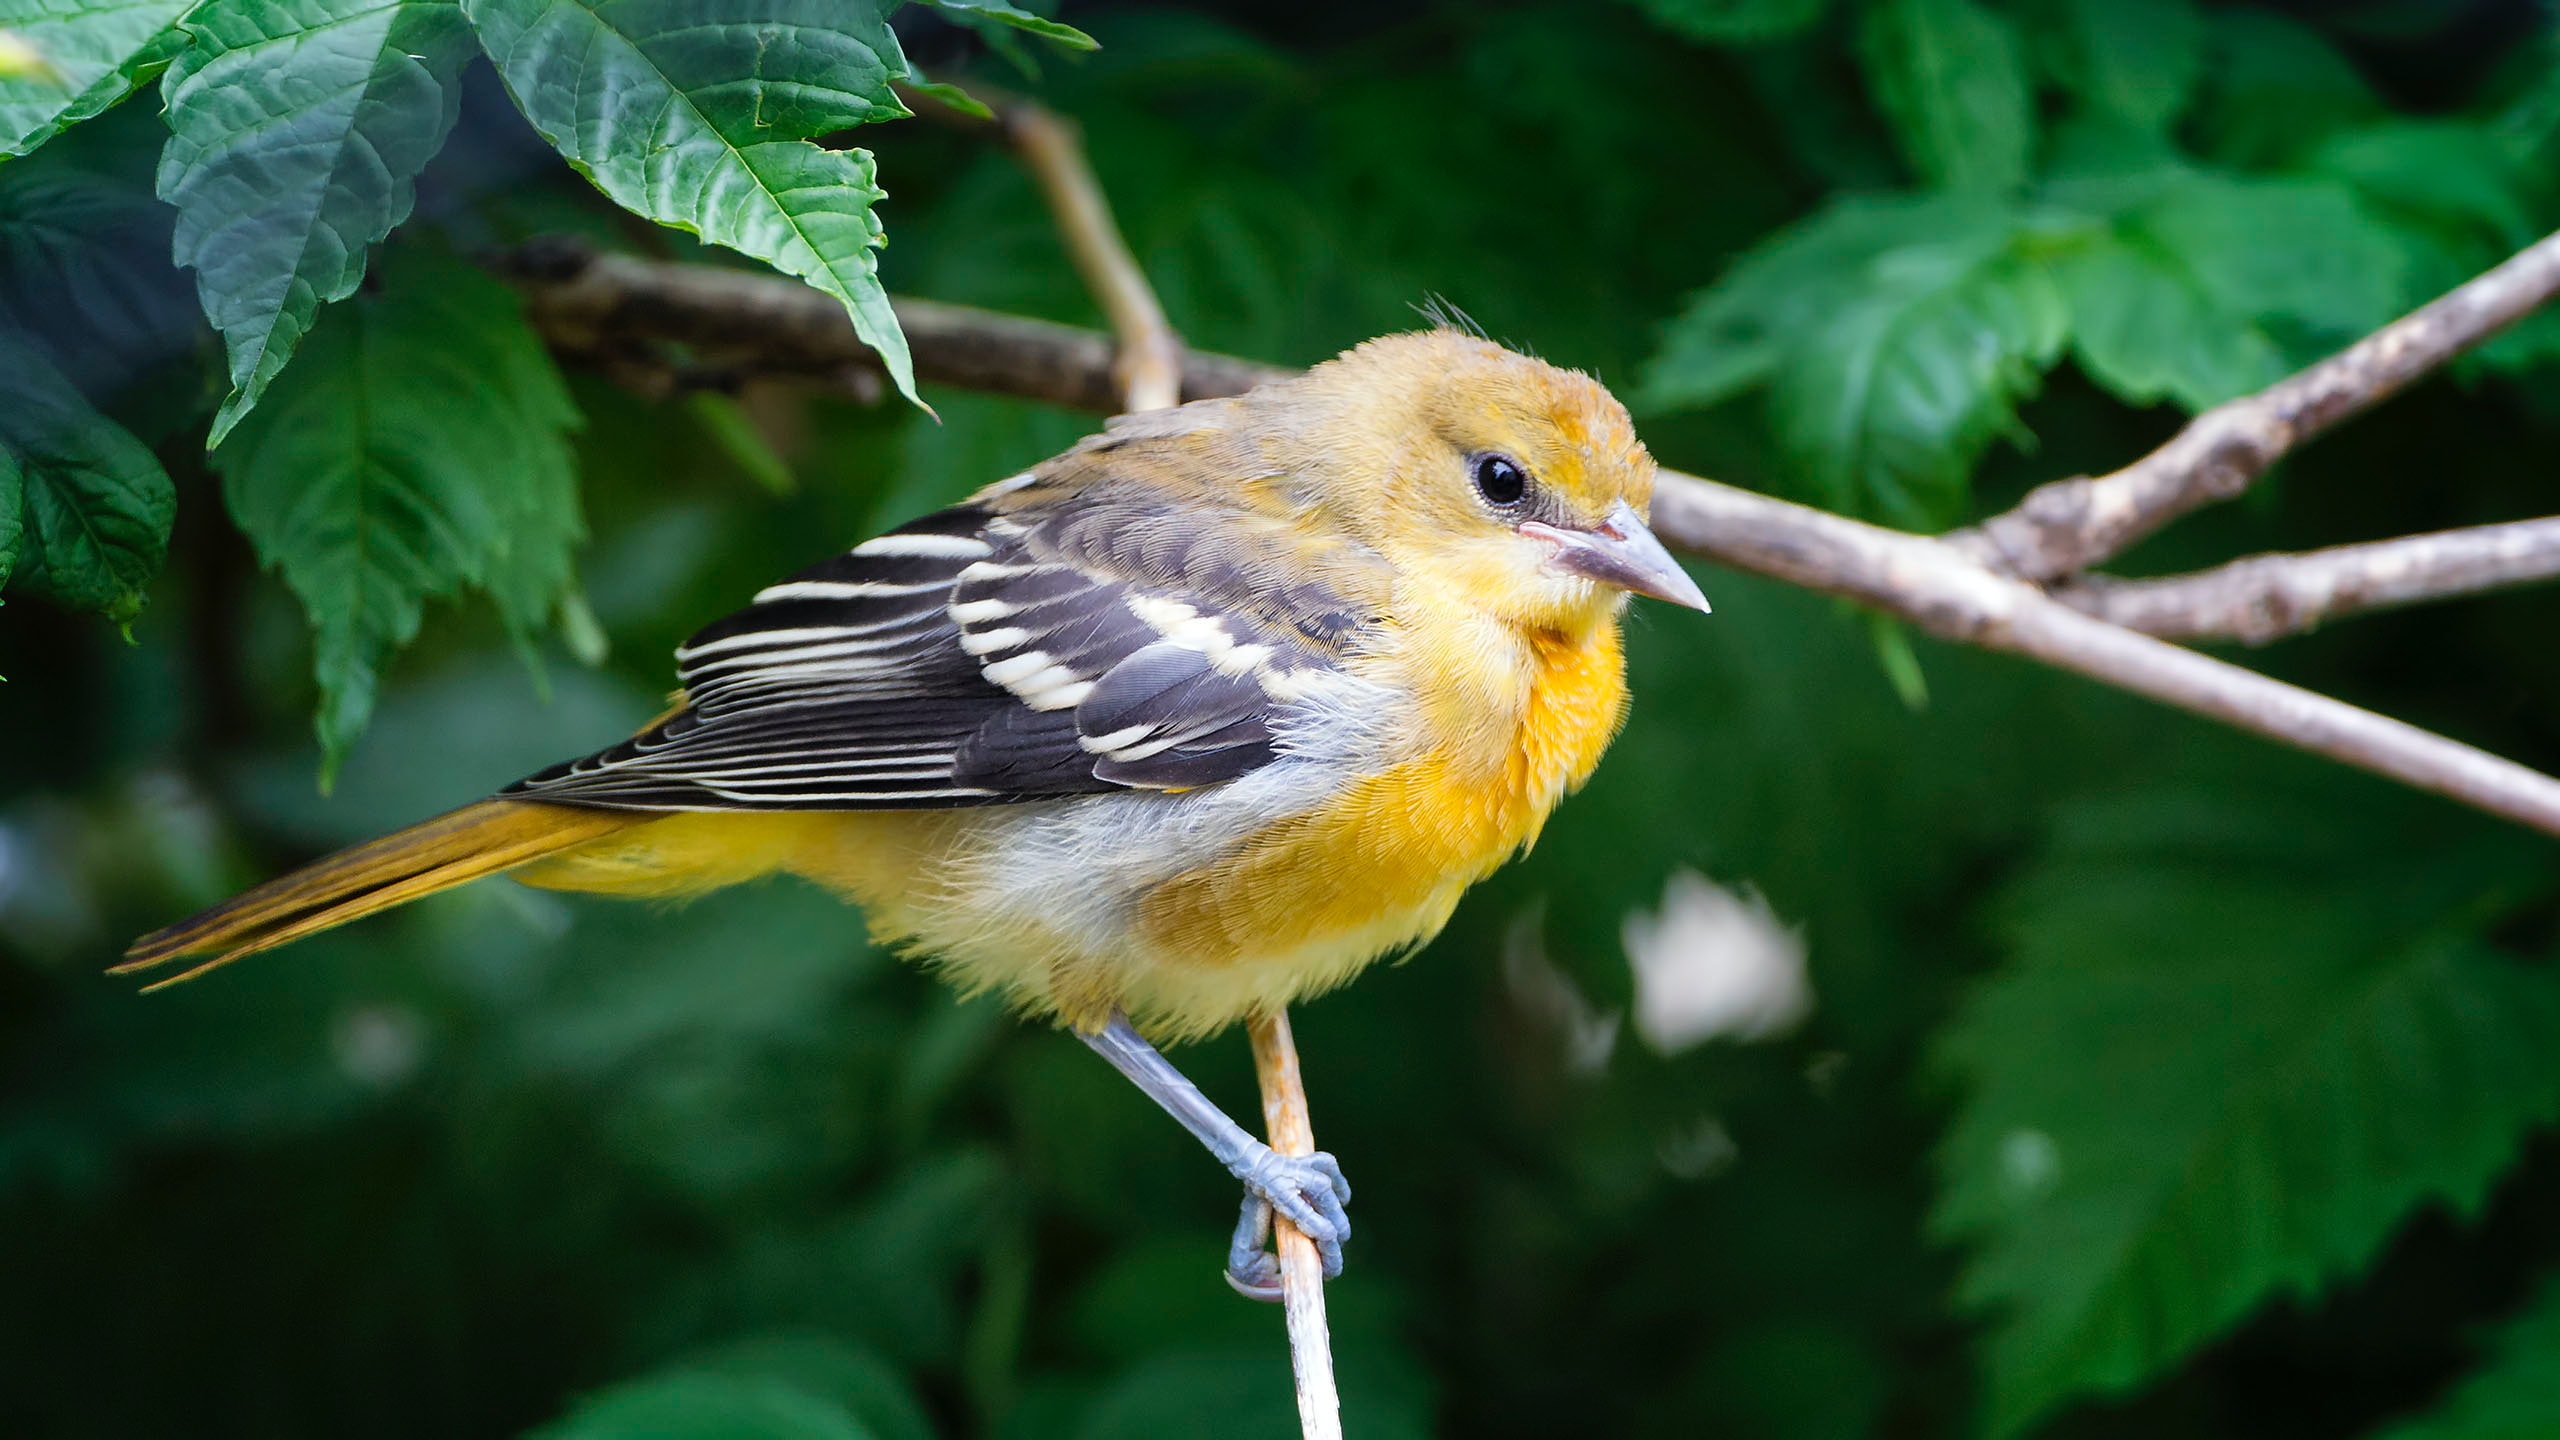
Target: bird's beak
1620,551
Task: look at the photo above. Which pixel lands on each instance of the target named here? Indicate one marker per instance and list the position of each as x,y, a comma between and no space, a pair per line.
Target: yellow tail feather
465,844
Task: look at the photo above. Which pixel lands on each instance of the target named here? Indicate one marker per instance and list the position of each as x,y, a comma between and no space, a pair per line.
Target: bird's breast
1382,862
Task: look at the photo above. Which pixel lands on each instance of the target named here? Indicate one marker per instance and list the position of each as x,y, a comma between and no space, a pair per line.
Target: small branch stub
1284,1118
2067,526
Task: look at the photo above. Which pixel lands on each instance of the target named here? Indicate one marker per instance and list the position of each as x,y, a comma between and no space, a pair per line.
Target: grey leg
1307,1189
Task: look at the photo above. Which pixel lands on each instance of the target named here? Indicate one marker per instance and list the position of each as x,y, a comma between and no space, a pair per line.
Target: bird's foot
1306,1190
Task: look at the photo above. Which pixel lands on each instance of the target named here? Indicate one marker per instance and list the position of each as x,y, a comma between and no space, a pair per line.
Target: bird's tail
465,844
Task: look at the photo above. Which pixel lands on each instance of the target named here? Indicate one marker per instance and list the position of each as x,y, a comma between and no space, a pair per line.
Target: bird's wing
1068,643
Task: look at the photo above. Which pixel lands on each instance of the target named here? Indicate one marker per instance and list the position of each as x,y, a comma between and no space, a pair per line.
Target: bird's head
1506,480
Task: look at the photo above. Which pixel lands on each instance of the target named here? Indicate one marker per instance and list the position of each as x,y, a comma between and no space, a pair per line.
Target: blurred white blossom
1713,962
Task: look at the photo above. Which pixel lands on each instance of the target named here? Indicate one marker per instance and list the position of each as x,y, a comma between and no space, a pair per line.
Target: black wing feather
972,658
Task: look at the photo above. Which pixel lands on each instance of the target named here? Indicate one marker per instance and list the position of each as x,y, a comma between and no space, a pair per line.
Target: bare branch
598,307
2069,525
1149,368
614,303
1284,1119
2267,597
1953,596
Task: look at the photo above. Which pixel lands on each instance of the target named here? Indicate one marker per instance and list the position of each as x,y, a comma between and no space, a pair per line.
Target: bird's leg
1309,1189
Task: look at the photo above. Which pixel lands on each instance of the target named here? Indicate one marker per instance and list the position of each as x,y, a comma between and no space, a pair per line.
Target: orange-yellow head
1500,478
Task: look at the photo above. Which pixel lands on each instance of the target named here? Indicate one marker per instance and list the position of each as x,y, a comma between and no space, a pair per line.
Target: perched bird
1187,723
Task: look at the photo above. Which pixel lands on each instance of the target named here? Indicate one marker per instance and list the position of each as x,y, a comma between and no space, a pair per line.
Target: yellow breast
1308,902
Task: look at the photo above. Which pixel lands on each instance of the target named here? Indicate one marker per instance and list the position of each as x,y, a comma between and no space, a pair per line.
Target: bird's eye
1500,480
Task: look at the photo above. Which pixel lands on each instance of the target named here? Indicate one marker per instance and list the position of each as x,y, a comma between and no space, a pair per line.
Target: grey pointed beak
1620,551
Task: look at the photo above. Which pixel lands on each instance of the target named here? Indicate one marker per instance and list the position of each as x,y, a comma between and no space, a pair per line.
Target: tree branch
612,304
1285,1120
1149,367
1148,371
2267,597
1949,594
2069,525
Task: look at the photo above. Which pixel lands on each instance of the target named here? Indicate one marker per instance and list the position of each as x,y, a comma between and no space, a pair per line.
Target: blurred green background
2155,1081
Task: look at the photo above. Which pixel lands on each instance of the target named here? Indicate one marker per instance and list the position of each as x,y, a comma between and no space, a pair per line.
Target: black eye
1500,480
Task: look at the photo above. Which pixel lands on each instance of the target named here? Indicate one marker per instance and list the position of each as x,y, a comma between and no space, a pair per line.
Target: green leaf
2238,1042
1919,364
852,1377
1728,22
84,273
2209,286
2515,1395
2143,327
1734,332
2137,60
417,450
1951,77
2276,89
85,55
1015,16
704,1407
297,130
90,514
700,114
2302,251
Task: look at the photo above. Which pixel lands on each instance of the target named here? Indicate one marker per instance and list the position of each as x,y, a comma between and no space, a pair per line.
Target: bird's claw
1306,1190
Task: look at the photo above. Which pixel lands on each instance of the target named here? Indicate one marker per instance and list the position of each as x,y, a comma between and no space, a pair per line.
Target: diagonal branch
612,304
1149,368
2267,597
1951,595
2069,525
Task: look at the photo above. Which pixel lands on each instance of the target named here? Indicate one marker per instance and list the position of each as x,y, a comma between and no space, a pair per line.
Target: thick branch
745,323
613,303
2267,597
1149,368
2069,525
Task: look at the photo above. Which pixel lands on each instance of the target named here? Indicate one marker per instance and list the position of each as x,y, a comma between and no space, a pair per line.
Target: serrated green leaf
1887,402
2515,1394
1017,17
2300,250
1730,22
1734,332
93,508
704,1407
2136,60
2236,1046
418,449
729,95
297,130
2142,327
83,55
84,274
1951,77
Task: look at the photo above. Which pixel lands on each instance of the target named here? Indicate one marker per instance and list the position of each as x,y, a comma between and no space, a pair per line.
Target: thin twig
2267,597
1284,1119
1149,367
2069,525
1936,585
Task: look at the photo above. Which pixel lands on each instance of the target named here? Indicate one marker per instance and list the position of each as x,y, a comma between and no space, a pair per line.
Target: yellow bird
1190,722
